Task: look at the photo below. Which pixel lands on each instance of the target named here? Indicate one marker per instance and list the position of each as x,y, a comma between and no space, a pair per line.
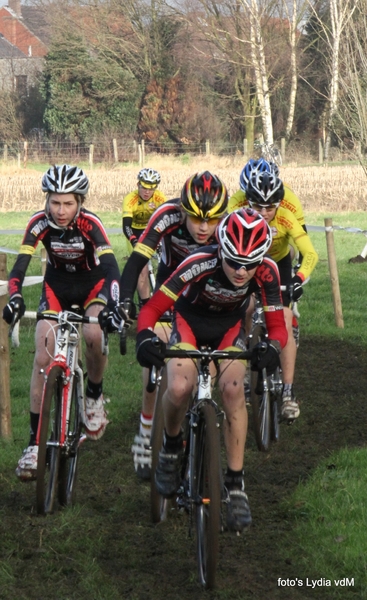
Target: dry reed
320,188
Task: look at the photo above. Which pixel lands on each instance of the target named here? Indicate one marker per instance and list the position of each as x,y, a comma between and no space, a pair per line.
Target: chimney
15,7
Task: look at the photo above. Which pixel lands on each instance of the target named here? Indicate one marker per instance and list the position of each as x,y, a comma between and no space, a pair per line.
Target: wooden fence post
5,153
140,156
91,153
142,153
115,152
5,410
333,270
321,152
18,160
207,147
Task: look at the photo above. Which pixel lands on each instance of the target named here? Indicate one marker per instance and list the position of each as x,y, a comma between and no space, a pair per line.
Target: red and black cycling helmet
264,189
205,196
244,237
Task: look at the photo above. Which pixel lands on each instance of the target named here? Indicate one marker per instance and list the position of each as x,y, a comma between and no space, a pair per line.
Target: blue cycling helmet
256,166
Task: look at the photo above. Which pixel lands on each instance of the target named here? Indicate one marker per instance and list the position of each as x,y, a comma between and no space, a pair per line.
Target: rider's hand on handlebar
149,353
14,310
113,317
297,288
265,355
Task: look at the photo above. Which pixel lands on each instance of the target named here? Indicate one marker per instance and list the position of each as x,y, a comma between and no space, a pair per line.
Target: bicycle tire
276,400
207,495
70,453
260,402
158,504
49,456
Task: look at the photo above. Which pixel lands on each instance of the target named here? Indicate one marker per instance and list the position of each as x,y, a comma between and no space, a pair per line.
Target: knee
179,389
232,392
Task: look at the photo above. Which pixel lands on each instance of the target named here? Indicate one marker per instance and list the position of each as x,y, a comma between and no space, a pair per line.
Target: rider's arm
34,232
160,224
128,230
268,278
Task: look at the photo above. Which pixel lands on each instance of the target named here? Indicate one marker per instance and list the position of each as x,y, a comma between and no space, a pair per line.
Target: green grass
327,513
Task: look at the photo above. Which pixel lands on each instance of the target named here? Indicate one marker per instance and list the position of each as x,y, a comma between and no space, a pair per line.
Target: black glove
147,353
113,317
15,309
265,355
297,288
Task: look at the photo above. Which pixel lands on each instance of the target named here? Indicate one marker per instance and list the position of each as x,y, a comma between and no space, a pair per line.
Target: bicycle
201,493
270,152
265,389
62,414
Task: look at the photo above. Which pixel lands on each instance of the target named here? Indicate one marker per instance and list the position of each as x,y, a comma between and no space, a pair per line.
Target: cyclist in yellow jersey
289,201
137,208
264,194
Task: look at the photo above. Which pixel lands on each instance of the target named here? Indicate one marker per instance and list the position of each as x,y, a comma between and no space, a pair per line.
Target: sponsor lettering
84,224
39,227
166,221
264,273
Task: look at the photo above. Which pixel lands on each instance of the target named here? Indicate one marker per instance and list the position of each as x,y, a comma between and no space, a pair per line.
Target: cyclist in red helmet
210,289
181,226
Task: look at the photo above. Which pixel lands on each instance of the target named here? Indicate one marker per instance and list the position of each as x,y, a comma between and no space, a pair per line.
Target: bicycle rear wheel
70,452
207,495
158,504
260,398
49,448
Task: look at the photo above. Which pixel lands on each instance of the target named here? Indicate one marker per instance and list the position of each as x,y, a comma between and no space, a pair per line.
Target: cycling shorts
194,331
61,290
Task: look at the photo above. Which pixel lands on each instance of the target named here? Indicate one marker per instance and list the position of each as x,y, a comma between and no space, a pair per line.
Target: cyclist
180,225
137,208
210,289
81,269
264,193
290,200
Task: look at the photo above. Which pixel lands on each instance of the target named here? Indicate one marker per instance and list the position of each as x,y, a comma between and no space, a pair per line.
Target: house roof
7,50
34,19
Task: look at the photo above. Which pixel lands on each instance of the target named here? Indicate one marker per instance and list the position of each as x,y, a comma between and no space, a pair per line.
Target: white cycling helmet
149,178
65,179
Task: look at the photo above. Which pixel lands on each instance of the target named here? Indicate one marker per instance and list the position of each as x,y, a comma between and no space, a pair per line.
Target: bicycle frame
66,357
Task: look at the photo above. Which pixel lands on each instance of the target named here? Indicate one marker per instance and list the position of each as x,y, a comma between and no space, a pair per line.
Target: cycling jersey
290,201
167,226
137,212
285,228
79,253
210,303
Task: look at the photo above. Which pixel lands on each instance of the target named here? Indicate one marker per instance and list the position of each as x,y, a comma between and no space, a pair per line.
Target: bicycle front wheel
158,504
70,452
207,495
49,447
260,399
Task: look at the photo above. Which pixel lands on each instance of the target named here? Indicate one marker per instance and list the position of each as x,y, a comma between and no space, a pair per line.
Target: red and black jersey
201,290
165,226
80,248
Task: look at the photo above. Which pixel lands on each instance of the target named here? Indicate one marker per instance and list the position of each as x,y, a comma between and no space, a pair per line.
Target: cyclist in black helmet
81,269
181,226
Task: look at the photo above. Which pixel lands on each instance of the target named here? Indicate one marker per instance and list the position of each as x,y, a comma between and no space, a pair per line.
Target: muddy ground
147,562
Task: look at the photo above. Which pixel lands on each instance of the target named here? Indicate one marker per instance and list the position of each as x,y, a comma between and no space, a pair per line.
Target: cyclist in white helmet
81,269
137,208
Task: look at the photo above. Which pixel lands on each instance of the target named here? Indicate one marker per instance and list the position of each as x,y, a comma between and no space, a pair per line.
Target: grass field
105,548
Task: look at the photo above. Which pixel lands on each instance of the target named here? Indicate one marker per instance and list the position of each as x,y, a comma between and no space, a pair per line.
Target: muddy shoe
357,259
290,408
167,474
142,454
238,511
95,418
27,464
